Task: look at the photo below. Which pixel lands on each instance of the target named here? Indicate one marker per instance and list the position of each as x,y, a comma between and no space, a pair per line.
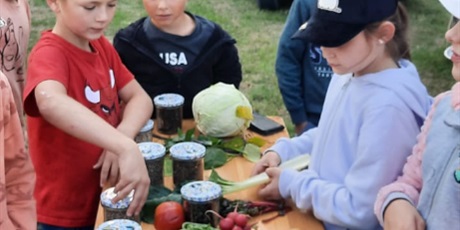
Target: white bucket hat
453,6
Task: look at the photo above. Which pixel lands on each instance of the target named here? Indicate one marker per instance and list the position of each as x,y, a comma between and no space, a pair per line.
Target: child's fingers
266,191
114,174
140,196
259,168
104,173
99,162
122,189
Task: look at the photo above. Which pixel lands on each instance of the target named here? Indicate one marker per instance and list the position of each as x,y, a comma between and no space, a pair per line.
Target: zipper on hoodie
327,132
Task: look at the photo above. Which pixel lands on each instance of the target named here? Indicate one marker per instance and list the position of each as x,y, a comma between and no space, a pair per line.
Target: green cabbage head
221,111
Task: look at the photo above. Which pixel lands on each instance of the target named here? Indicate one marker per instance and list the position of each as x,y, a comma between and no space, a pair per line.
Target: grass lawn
257,34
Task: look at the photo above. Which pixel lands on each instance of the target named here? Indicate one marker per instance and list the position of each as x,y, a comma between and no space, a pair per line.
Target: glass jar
119,224
117,210
199,197
187,162
154,159
168,111
145,134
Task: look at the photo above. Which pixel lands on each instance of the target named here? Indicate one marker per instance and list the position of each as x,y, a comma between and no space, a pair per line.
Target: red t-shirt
67,188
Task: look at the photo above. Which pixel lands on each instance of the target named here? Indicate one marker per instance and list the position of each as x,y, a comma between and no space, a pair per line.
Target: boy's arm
73,118
138,108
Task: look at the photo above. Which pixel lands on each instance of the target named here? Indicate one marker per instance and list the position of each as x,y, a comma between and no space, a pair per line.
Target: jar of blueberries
145,134
154,154
116,210
187,162
199,197
168,112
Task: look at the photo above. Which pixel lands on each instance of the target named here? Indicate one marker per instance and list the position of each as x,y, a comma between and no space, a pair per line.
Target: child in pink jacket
17,177
427,195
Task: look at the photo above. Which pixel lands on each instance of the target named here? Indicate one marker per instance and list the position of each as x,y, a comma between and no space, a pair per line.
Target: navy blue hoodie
218,61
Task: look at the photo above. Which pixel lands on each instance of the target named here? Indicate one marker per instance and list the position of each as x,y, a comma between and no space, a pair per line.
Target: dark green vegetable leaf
235,144
157,195
167,166
214,158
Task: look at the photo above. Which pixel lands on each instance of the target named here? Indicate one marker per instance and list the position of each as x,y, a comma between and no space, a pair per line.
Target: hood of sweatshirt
404,82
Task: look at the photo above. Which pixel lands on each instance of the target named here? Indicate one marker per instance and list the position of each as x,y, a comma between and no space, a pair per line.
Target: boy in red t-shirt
72,97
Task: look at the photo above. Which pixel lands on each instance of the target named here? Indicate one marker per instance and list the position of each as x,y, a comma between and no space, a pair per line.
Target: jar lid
200,191
168,100
108,195
151,150
119,224
187,151
148,126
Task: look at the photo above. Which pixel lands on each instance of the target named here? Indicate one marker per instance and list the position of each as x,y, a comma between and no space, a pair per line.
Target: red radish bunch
234,221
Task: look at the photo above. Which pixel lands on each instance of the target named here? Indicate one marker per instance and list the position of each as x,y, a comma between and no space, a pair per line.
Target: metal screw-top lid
168,100
151,150
108,195
148,126
201,191
119,224
187,151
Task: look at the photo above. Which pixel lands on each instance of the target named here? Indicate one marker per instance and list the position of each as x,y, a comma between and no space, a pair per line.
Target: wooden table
240,169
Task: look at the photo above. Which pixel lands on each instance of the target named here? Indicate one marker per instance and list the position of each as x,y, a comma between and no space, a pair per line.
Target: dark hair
398,47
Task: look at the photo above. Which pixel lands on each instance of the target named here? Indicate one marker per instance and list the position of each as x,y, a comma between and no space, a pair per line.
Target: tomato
169,215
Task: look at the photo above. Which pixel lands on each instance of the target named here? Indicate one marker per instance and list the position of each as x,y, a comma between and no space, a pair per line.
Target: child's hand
133,176
108,162
270,159
271,190
401,214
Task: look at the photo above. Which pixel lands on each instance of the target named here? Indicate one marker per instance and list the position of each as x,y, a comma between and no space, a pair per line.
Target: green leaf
167,166
196,226
156,196
208,141
214,158
235,144
189,135
257,141
251,152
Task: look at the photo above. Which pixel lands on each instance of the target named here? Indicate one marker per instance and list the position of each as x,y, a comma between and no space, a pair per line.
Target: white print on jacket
174,59
329,5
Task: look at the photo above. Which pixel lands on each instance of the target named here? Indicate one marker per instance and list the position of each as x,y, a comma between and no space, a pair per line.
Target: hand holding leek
296,163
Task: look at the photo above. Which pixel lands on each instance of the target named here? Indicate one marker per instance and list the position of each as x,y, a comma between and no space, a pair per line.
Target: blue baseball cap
337,21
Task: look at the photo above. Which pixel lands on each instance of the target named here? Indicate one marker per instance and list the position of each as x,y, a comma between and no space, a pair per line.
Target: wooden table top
239,169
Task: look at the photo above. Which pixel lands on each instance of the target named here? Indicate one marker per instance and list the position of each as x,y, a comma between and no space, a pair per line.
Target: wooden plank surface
240,169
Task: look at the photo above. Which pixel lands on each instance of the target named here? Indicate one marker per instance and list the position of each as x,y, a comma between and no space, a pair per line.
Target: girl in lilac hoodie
427,195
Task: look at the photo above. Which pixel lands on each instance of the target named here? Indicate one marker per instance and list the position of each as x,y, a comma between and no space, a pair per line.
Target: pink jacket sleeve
17,176
410,183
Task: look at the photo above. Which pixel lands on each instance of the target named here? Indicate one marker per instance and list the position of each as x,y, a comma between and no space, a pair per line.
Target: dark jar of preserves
199,197
119,224
145,134
117,210
187,162
168,111
154,155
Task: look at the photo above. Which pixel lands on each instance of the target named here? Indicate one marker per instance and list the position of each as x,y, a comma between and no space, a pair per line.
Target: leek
297,163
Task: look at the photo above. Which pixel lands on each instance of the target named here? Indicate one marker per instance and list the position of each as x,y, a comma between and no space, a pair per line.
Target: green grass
257,33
